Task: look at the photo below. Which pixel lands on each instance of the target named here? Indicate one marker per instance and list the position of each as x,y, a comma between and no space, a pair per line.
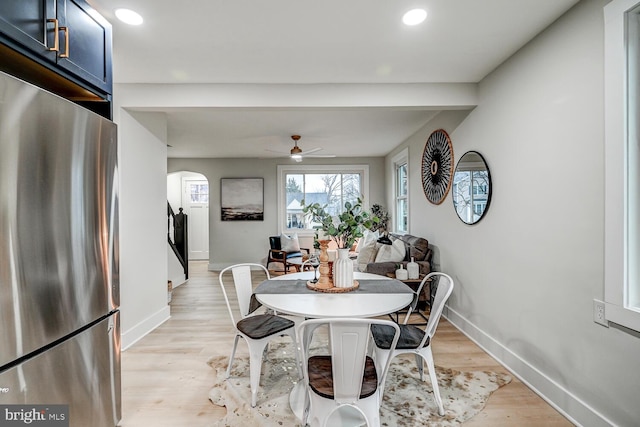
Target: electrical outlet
598,313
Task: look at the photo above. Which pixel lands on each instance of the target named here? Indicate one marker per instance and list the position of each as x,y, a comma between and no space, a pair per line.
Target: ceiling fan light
296,156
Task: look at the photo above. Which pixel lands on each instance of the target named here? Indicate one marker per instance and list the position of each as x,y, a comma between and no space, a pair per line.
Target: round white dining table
369,302
316,304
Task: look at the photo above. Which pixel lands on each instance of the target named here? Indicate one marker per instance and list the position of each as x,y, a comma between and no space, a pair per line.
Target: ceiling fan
297,154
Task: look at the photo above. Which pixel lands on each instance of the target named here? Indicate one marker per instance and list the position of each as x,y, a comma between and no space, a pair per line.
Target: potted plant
343,229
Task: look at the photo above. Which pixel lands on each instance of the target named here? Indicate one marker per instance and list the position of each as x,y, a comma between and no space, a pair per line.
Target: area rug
407,400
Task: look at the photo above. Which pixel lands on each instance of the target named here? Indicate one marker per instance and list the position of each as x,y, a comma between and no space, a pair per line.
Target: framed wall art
437,166
242,199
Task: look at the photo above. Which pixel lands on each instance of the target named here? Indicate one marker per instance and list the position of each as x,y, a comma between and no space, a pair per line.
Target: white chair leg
420,366
307,408
428,357
256,349
233,354
380,356
292,334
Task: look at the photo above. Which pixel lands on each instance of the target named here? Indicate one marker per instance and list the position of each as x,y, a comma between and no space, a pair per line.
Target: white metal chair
345,382
257,329
415,340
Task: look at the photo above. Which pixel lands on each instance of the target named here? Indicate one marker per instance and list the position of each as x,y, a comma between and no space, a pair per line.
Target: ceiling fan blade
284,153
313,150
319,155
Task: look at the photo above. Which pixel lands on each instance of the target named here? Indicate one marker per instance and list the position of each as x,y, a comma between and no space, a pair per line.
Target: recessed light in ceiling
414,17
128,16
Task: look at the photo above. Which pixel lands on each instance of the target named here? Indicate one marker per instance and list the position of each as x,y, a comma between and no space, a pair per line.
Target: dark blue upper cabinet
67,36
85,43
32,24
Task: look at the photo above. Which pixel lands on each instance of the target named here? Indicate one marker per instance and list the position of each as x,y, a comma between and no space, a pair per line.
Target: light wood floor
166,379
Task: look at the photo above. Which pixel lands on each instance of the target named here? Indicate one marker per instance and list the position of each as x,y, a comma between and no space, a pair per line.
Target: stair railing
179,242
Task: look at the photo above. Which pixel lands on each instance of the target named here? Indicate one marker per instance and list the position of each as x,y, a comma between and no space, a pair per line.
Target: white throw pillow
289,244
366,238
367,254
391,253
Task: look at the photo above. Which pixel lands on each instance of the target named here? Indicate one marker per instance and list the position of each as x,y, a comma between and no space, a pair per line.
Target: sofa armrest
428,256
425,267
382,268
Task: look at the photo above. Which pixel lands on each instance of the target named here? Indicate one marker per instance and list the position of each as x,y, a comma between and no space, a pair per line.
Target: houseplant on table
343,229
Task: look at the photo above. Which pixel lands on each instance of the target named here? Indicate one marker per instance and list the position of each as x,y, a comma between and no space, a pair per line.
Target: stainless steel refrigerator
59,284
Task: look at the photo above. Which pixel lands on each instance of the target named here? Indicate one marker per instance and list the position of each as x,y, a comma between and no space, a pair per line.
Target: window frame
616,263
306,169
402,158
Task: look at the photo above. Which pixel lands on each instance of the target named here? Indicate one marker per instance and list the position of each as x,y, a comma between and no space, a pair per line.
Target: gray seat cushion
263,325
410,336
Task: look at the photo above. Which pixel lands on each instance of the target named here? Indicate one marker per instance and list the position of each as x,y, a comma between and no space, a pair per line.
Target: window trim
616,280
284,169
399,159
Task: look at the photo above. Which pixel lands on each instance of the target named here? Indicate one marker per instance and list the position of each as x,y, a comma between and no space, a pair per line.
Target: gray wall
527,274
247,241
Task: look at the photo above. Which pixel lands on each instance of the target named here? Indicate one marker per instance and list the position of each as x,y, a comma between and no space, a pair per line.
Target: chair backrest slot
349,341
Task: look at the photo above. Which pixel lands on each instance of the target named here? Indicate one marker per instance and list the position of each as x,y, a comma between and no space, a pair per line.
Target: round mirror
471,187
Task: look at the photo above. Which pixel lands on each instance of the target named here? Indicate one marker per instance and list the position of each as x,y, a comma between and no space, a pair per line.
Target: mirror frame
489,192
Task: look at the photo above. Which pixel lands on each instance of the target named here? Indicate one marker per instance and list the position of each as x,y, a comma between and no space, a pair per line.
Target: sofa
416,247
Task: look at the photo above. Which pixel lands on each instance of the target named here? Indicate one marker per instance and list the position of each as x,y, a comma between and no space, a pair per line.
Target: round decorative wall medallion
437,166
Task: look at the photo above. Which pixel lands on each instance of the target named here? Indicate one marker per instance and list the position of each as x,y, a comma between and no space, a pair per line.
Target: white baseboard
574,409
136,333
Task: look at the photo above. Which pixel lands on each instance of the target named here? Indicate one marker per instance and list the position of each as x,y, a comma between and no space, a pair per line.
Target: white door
196,205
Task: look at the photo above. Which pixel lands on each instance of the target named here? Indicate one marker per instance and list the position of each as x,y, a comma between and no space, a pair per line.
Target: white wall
143,223
527,274
174,190
247,241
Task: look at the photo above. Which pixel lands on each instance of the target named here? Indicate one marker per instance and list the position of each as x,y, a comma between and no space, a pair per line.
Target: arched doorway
190,191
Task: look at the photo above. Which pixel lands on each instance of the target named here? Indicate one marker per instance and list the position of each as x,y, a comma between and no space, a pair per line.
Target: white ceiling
307,42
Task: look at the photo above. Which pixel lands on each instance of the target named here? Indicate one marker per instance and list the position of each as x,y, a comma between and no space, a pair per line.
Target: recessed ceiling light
128,16
414,17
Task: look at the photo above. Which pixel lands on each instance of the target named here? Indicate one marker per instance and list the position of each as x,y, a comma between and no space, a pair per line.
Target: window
198,191
328,185
622,163
401,192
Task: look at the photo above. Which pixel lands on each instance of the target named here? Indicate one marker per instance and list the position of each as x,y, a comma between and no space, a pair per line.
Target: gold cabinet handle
66,42
56,38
